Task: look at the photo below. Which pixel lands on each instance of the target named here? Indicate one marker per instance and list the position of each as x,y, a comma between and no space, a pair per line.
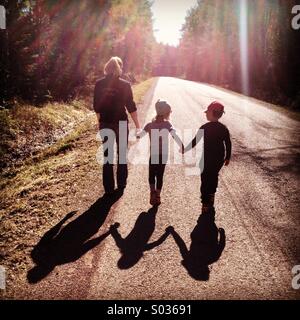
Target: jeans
108,166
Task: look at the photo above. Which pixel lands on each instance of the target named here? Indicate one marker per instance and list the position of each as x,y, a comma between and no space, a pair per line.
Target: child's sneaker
153,198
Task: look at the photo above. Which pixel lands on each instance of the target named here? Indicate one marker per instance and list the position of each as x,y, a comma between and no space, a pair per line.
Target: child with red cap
217,152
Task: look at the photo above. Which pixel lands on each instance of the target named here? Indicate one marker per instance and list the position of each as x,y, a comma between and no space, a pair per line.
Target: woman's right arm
135,119
131,107
141,133
177,139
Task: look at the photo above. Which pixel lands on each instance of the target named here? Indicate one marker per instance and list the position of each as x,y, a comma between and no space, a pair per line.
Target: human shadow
208,243
64,244
133,246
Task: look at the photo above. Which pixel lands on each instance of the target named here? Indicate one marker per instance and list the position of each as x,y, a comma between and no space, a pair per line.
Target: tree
56,47
212,41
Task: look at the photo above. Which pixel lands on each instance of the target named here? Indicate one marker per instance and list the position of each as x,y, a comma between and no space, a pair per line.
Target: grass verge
48,185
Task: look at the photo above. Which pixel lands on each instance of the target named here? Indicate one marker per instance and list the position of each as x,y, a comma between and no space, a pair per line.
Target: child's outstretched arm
195,141
177,139
141,133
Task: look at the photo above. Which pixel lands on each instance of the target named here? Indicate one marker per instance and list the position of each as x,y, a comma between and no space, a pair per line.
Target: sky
169,16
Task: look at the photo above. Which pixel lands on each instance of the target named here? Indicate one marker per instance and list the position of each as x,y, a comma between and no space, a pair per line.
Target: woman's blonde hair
114,66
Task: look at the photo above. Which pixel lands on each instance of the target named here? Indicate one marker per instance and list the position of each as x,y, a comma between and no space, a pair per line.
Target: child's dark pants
209,180
156,174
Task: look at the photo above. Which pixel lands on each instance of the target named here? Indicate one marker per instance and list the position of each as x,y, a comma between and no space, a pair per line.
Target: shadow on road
64,244
134,245
273,160
208,243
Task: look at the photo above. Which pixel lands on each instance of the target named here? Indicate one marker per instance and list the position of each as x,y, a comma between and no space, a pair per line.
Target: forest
55,50
221,38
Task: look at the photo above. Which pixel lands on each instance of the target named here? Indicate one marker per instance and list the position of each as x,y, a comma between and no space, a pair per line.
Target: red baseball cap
215,106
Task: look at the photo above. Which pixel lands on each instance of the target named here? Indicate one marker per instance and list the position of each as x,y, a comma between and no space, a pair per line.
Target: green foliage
27,129
54,50
210,47
7,131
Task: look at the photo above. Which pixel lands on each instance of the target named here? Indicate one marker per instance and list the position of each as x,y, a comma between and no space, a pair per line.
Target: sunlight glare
244,46
168,18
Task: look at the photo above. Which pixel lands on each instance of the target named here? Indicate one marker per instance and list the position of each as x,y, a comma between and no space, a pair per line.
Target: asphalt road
257,204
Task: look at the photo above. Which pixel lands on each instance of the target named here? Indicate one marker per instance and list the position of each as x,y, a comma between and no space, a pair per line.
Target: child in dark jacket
217,152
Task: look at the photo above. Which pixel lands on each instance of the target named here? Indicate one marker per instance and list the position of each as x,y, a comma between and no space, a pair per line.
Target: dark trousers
156,174
108,167
209,180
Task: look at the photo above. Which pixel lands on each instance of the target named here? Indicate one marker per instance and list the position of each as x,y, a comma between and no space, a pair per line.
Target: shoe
153,198
169,229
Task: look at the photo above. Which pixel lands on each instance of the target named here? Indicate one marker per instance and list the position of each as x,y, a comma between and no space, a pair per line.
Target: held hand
114,226
138,131
226,162
169,229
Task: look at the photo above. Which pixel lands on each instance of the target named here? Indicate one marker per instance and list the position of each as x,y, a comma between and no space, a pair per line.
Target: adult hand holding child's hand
169,229
138,133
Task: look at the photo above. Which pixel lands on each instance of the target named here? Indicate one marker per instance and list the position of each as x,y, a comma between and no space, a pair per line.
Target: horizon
167,23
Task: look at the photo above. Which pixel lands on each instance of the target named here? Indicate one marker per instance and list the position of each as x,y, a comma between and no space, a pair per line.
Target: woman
112,98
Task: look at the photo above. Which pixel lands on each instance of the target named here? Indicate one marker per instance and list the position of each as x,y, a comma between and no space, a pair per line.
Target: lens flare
243,34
